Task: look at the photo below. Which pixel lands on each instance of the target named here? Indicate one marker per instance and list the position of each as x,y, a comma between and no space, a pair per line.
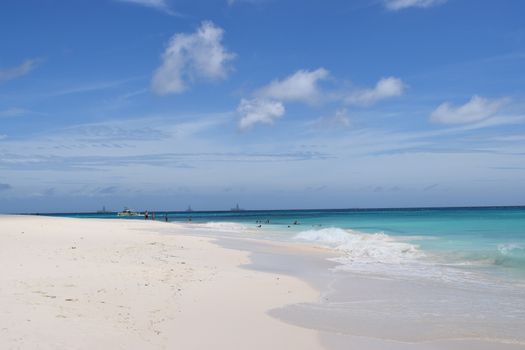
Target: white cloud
233,2
396,5
160,5
18,71
192,57
475,110
258,110
339,120
92,86
301,86
385,88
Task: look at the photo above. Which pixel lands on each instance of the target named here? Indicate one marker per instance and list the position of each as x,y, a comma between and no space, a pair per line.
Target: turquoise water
483,239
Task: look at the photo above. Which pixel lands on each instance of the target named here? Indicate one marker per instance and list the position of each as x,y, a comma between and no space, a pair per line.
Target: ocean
487,240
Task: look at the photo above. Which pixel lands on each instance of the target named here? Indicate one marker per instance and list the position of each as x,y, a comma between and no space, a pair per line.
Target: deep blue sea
489,240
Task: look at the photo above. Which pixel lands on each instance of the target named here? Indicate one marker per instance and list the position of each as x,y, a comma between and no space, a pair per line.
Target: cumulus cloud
385,88
192,57
476,110
14,72
304,86
257,110
301,86
396,5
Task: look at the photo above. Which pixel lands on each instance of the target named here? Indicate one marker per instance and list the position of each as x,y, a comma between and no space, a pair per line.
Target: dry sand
117,284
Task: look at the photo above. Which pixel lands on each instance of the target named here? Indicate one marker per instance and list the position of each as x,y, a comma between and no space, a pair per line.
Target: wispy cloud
192,57
302,86
339,120
509,138
475,110
115,133
13,112
396,5
160,5
24,68
153,154
107,190
497,120
233,2
385,88
109,162
259,111
92,86
430,187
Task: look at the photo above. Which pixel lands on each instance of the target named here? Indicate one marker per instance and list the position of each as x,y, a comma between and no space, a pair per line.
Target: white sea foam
379,253
223,226
511,248
361,247
511,254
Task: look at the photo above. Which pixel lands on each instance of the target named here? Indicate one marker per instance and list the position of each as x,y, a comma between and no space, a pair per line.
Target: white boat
129,212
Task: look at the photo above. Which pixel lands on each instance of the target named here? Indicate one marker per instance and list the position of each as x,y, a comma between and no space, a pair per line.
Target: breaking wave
223,226
361,247
511,254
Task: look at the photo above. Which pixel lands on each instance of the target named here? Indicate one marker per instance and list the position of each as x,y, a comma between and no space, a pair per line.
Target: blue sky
160,104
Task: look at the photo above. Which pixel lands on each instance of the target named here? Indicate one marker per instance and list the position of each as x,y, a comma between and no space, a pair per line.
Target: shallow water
432,313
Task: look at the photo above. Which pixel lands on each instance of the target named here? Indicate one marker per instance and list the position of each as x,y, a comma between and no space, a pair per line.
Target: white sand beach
115,284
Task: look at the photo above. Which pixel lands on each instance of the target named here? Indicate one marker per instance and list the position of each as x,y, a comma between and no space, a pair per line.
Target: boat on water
103,210
129,212
237,208
189,210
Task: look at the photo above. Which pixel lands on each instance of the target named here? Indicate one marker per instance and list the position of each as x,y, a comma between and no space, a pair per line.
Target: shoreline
374,312
195,286
84,284
387,311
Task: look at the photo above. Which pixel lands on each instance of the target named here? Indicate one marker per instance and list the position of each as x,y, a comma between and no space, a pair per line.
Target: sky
272,104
